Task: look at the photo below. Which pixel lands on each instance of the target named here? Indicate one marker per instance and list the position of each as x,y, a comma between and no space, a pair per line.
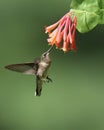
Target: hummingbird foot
47,80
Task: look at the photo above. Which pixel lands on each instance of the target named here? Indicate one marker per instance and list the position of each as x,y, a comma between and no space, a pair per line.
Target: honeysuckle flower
62,33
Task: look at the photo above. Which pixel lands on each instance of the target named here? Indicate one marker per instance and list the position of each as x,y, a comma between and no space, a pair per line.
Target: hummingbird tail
38,92
38,86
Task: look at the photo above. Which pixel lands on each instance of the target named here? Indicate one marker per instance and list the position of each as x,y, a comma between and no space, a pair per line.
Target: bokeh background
75,99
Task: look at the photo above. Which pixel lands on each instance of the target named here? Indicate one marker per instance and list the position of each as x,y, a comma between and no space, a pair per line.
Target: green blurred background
75,99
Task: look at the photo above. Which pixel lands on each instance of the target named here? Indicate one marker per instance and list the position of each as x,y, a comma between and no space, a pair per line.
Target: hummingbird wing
25,68
39,84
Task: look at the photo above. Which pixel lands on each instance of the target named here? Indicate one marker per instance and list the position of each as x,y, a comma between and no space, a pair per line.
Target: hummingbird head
46,56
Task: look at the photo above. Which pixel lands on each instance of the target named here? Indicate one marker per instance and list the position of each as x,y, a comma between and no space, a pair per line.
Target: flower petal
51,27
62,33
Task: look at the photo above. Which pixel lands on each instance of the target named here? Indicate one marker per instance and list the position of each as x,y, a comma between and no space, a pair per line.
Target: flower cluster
62,33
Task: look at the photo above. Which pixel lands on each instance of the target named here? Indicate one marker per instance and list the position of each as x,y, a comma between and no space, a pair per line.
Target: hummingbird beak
49,49
48,52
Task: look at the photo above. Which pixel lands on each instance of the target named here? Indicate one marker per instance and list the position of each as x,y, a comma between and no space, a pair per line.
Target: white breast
43,64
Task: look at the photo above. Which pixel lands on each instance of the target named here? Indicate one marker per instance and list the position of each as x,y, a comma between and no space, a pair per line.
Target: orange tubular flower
63,31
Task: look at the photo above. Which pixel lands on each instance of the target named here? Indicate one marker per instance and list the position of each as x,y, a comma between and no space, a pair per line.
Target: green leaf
89,13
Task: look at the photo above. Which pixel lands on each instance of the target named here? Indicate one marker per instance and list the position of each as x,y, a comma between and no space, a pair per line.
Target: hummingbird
39,68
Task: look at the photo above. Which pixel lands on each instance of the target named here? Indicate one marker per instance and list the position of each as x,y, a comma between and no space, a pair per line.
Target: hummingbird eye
44,54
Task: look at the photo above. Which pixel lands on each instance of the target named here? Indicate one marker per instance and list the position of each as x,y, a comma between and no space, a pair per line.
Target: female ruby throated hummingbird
39,68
